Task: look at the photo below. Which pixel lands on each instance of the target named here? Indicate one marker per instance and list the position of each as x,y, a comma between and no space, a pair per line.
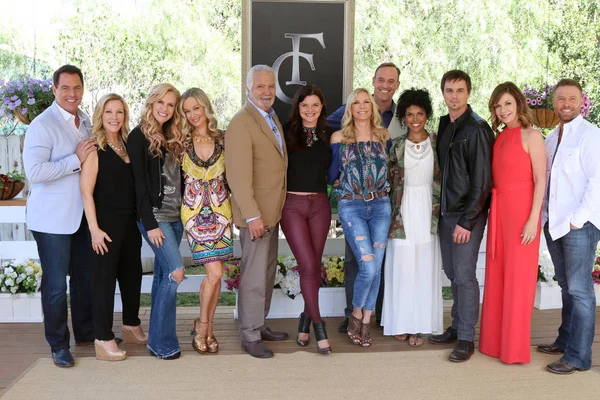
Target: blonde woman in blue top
360,162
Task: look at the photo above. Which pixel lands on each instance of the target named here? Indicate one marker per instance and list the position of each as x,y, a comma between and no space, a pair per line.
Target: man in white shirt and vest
571,217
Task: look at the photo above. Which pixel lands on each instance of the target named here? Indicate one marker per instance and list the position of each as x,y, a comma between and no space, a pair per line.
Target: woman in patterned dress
205,209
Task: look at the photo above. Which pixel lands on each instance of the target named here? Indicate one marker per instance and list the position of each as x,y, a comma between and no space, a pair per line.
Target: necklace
201,138
311,135
121,151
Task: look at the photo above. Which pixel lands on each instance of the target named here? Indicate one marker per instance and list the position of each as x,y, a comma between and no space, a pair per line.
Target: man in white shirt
56,144
571,217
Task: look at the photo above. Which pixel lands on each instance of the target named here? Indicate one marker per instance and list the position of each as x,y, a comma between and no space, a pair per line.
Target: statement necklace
121,150
201,139
311,135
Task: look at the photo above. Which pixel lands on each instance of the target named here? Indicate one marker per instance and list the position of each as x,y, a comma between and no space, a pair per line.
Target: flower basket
544,118
21,117
11,190
21,307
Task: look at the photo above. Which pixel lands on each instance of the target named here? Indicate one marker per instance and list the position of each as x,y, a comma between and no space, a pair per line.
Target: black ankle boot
321,334
303,327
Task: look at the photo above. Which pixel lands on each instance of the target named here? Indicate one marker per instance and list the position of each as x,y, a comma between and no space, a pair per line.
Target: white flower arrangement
546,268
20,277
287,277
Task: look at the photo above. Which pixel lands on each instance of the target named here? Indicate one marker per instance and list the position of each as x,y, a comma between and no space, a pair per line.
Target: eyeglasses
267,230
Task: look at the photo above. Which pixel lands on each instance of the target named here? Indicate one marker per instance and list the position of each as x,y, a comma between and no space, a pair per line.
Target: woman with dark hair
155,146
360,162
205,210
306,214
513,239
412,302
109,204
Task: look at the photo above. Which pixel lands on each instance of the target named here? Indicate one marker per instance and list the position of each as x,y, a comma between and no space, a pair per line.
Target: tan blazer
256,169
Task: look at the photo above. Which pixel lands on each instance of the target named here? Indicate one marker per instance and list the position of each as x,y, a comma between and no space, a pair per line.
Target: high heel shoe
321,334
211,341
303,327
199,342
354,328
365,334
102,353
130,336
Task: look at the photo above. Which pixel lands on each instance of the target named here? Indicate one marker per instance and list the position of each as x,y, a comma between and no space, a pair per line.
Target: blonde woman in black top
109,204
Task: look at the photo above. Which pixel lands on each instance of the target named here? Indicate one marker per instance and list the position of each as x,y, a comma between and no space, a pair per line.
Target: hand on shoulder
336,137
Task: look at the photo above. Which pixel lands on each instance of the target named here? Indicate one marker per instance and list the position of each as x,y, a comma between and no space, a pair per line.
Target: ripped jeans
366,226
162,335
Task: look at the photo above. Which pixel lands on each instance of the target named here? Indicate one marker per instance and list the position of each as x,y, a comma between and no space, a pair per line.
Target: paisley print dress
205,209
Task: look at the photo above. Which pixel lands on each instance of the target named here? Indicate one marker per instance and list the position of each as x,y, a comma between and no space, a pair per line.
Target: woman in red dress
513,240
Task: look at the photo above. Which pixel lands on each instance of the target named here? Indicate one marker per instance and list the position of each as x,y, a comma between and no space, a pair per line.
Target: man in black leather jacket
465,144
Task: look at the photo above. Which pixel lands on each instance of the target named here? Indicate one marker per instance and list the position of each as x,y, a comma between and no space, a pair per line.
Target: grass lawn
190,299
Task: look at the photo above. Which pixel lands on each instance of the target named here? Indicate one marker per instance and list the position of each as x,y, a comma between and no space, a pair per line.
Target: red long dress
511,268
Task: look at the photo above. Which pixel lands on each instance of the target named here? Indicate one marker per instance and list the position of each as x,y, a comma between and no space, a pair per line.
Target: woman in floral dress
205,209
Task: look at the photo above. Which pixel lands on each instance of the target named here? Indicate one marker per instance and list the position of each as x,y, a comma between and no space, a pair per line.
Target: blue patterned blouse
361,167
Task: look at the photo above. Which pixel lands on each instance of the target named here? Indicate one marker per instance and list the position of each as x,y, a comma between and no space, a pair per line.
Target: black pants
62,255
122,262
350,272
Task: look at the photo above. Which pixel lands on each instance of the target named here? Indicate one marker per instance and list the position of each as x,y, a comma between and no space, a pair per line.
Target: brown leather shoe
257,349
449,336
273,336
550,349
462,352
562,367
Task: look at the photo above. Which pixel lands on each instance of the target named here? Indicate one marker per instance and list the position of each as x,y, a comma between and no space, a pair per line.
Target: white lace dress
412,300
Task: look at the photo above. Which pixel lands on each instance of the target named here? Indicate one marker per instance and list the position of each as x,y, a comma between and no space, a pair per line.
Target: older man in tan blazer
256,160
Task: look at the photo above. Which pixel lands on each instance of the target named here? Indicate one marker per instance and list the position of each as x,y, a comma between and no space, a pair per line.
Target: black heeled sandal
321,334
303,327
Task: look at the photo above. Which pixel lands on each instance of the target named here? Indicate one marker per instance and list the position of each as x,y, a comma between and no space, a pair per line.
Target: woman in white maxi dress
413,294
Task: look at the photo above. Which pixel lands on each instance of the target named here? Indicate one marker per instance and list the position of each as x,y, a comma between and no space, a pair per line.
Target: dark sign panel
304,43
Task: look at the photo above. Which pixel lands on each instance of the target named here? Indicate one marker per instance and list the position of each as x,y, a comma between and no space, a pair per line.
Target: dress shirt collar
262,112
68,116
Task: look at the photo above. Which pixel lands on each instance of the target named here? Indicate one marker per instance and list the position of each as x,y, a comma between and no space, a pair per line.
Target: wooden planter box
21,308
332,302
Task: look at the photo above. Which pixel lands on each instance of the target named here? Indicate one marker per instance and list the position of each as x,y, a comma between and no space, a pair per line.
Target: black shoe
562,367
257,349
273,336
171,357
462,352
63,358
343,327
321,334
550,349
303,327
450,335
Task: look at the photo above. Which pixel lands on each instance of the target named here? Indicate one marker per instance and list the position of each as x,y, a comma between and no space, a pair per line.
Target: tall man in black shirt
465,144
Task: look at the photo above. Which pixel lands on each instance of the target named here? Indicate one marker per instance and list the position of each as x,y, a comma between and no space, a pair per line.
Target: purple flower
31,101
13,98
528,100
24,111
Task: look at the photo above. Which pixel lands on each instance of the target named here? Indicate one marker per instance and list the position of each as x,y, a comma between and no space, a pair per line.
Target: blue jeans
573,258
162,335
62,255
366,226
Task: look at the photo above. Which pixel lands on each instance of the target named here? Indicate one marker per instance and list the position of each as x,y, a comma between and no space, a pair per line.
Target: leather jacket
467,170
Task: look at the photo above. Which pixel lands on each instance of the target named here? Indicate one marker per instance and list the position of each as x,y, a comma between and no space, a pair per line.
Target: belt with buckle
368,197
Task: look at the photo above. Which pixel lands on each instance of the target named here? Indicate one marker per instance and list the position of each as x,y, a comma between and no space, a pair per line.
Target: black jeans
122,262
350,272
460,266
62,255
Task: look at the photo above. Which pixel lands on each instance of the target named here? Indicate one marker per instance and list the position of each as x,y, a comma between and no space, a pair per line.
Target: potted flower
25,99
540,102
20,299
11,184
232,274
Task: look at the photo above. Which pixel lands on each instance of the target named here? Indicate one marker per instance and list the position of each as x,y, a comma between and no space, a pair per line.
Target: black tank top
114,189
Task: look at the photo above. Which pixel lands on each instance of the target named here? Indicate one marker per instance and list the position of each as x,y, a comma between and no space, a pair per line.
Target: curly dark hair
414,97
294,138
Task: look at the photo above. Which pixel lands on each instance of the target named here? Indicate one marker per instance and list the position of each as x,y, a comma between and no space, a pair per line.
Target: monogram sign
304,43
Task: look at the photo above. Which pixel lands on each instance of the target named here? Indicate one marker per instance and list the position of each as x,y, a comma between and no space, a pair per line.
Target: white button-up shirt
574,195
83,131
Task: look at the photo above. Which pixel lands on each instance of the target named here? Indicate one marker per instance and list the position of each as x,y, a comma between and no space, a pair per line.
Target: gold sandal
199,343
213,344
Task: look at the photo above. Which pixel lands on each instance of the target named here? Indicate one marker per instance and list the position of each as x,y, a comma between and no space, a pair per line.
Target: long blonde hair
170,136
204,102
98,131
349,131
